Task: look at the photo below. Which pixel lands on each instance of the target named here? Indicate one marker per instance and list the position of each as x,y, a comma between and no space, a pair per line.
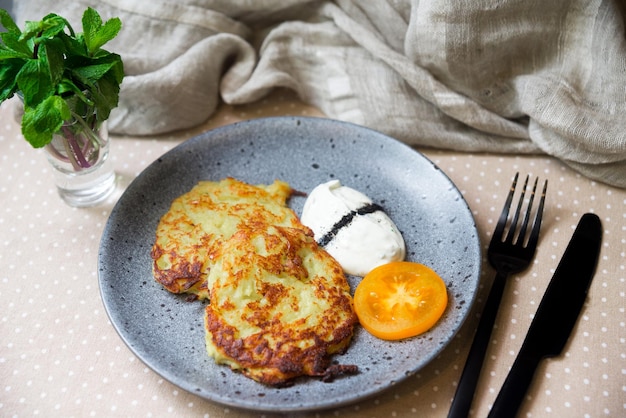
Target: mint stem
36,47
81,144
77,157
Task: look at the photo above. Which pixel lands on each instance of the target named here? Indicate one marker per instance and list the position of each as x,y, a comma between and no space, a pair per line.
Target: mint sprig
59,73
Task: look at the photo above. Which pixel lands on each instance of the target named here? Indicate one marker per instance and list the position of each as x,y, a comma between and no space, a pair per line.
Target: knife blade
556,315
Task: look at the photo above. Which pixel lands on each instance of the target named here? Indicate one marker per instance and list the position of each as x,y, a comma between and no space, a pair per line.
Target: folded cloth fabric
510,76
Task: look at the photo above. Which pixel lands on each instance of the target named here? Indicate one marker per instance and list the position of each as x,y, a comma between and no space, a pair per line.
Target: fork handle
474,363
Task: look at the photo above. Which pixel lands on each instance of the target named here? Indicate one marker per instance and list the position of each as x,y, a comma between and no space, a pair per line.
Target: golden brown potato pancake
280,306
200,220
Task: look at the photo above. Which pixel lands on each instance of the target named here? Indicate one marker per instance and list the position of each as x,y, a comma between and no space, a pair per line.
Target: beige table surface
61,357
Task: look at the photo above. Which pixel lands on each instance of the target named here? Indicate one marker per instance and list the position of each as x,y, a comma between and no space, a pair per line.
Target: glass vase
82,167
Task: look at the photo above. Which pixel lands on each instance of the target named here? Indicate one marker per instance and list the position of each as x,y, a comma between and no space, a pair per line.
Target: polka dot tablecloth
61,357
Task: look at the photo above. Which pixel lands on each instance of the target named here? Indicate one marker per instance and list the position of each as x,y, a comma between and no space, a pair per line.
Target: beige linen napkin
516,76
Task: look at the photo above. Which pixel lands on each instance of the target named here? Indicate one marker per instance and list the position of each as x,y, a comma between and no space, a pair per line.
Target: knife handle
464,395
515,386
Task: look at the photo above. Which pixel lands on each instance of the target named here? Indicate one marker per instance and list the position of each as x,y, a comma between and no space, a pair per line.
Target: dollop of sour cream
354,230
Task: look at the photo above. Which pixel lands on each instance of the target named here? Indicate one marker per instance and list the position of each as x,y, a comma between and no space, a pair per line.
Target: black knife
556,316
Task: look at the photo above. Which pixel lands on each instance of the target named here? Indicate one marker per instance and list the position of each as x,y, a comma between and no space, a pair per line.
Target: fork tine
499,231
534,234
509,236
522,231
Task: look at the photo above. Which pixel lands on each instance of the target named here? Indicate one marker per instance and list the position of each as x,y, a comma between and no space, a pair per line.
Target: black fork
508,254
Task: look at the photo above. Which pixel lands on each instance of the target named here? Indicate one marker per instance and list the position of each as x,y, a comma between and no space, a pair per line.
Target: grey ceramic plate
166,332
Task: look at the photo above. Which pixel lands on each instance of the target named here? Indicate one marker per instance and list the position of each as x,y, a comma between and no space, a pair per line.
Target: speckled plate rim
166,332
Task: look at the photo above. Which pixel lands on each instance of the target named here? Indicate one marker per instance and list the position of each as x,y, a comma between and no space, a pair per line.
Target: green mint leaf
52,25
35,82
12,42
6,54
91,24
95,70
74,46
31,30
107,96
49,27
8,73
9,24
117,72
95,33
54,55
41,122
68,86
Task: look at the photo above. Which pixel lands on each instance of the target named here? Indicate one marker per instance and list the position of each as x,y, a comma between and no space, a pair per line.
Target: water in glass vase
82,168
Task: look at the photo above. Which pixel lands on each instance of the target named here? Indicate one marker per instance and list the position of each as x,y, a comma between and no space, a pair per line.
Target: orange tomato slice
400,300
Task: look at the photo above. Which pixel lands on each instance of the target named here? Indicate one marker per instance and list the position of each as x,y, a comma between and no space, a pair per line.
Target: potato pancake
200,220
280,306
